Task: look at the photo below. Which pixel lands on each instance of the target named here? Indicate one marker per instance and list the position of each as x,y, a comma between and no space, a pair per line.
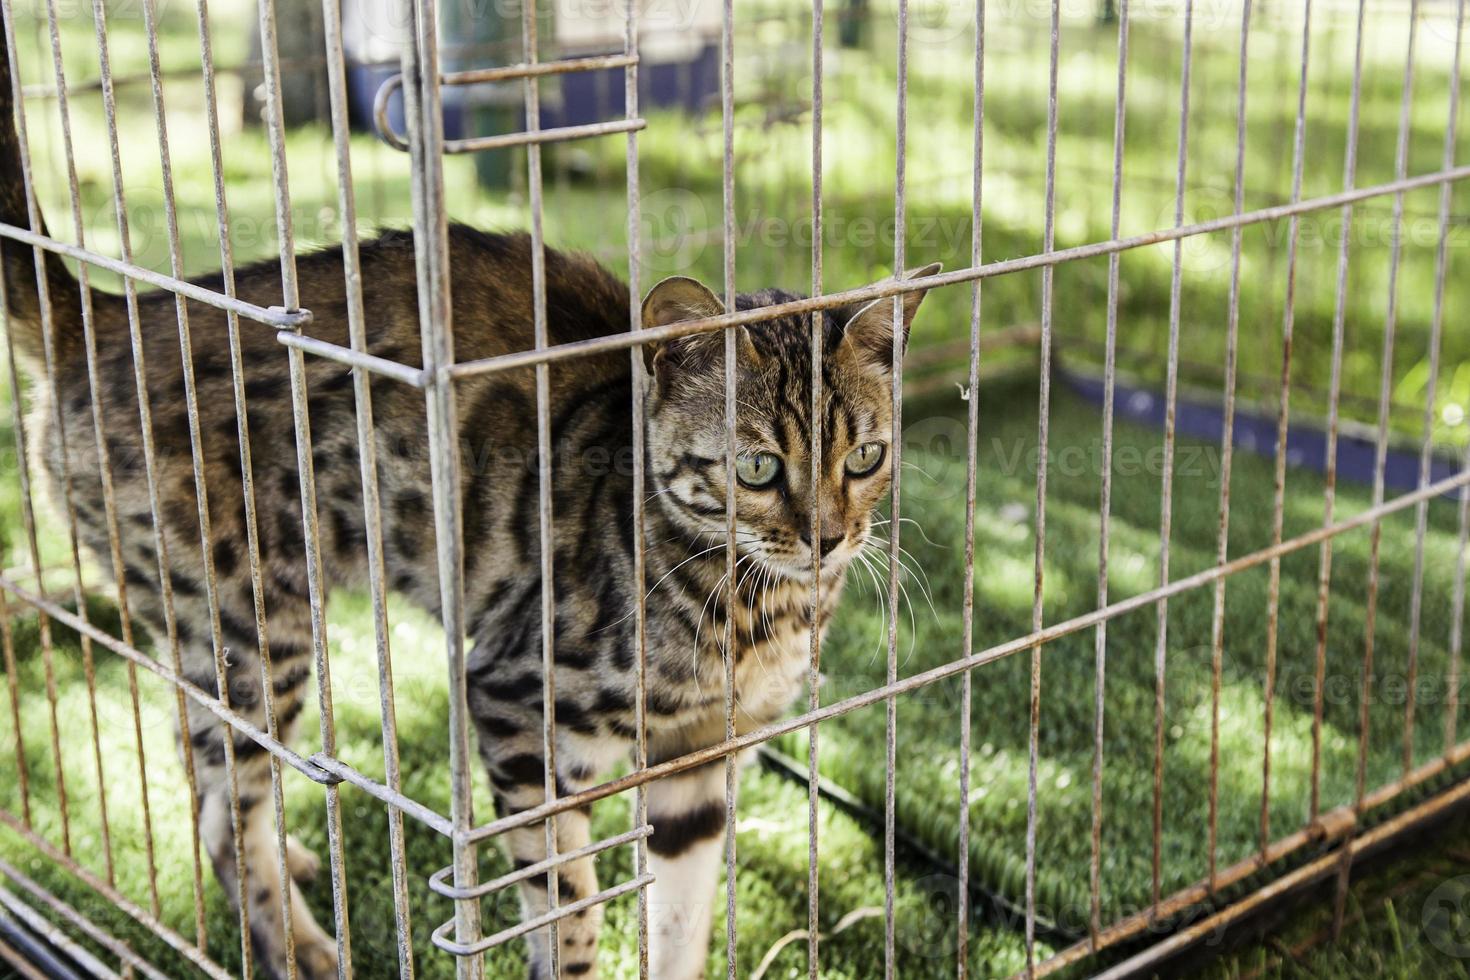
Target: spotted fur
593,537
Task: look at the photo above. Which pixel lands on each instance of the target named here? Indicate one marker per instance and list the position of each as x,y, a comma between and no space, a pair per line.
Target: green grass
772,838
680,178
927,725
772,845
680,166
1404,920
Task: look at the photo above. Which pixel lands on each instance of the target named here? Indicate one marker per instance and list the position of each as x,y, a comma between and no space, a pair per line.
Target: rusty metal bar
14,909
437,879
544,514
1043,438
1313,871
1436,329
1283,417
814,651
727,198
194,954
640,479
423,114
529,69
12,683
43,296
900,233
1227,449
474,144
972,444
247,479
1055,257
80,922
109,110
1339,317
1166,510
109,501
468,952
1105,503
355,357
201,493
1457,616
1390,326
270,316
368,463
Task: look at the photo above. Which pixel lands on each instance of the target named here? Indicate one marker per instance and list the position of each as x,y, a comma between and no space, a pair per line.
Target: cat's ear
868,335
681,298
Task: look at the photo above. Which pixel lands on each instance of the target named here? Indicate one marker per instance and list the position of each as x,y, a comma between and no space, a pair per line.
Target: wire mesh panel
1160,506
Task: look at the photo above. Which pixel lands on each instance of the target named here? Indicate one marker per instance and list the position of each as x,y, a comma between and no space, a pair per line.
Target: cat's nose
828,544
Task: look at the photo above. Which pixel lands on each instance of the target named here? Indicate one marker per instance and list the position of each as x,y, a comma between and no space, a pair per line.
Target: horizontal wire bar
12,905
81,922
186,949
977,659
198,694
559,134
566,66
479,76
272,316
1327,864
1326,826
540,921
684,328
319,768
385,794
20,965
437,885
346,355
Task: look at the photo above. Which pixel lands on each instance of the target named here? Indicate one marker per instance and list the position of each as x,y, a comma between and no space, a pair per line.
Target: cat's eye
757,470
864,459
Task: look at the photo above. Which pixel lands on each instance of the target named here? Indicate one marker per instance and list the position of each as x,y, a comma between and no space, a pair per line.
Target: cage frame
421,82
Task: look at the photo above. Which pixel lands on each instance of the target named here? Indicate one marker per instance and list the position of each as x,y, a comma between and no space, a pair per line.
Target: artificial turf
772,838
928,727
681,166
1403,920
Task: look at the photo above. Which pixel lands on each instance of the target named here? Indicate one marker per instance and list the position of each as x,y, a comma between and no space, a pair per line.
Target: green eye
864,459
758,470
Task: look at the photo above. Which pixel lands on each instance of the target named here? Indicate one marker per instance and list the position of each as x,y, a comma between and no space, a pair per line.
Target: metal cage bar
420,81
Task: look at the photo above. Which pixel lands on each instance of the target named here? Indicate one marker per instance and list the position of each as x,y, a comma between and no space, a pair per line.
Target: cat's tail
22,297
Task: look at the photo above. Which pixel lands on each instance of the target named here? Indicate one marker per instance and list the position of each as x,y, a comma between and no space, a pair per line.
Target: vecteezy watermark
1368,227
251,235
677,226
929,931
388,20
1446,917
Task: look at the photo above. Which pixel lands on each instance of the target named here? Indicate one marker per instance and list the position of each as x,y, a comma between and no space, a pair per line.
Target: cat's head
773,423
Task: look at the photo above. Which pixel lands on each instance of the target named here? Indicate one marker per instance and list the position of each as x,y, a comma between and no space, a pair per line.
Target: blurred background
680,221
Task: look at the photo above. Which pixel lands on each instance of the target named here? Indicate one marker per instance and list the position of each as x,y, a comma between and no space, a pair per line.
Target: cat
593,506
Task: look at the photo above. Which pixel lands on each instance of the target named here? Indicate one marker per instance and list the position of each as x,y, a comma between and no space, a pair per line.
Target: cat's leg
576,933
518,787
507,711
263,891
687,812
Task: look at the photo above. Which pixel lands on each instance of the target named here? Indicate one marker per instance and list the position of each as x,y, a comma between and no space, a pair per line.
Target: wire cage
1199,317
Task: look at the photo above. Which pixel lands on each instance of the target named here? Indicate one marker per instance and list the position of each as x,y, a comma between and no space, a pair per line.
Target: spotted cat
169,589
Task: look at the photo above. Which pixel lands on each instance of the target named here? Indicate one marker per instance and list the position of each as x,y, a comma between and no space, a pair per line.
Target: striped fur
593,507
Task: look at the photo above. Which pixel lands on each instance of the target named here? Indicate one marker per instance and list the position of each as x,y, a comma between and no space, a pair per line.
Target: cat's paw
316,958
302,862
